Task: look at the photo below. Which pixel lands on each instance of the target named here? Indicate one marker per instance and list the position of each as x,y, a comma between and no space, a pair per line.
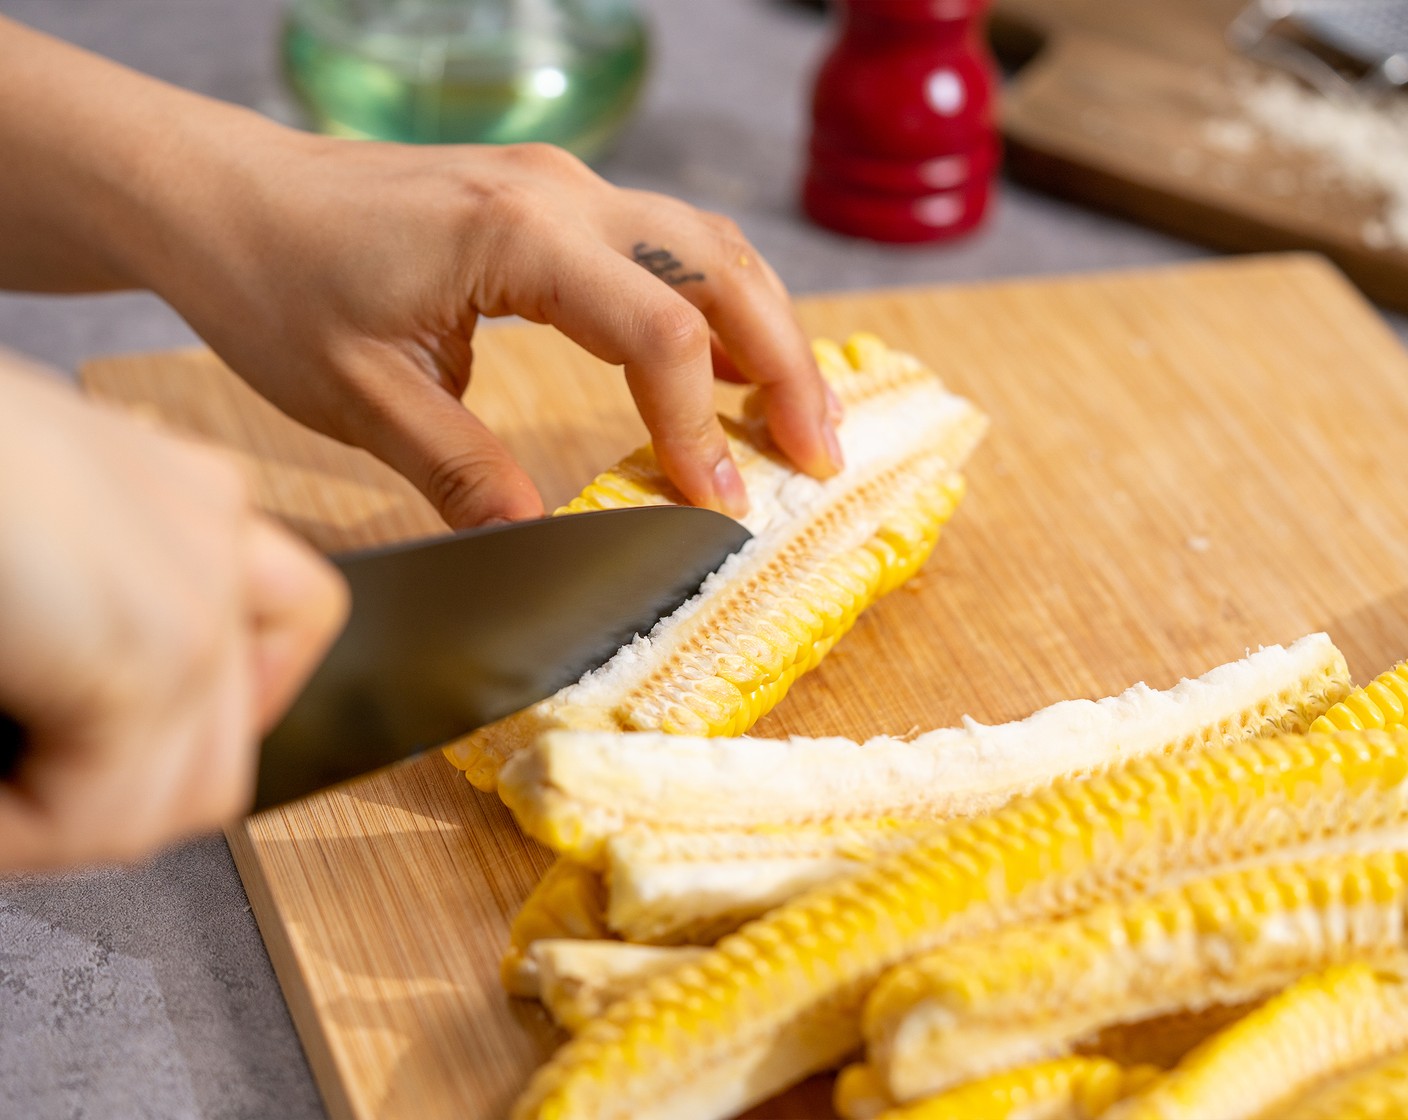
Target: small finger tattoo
662,263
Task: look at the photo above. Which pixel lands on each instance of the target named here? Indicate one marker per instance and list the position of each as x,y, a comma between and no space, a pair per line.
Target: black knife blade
450,634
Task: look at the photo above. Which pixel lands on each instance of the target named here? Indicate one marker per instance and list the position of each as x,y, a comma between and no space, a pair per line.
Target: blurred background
1138,111
1135,134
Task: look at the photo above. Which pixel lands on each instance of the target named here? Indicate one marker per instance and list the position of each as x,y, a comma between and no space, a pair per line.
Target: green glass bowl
473,71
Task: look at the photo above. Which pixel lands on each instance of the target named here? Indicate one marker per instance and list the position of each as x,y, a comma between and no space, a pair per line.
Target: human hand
344,281
154,626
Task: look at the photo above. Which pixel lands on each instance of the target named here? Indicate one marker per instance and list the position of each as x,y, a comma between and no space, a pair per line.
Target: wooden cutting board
1183,465
1121,106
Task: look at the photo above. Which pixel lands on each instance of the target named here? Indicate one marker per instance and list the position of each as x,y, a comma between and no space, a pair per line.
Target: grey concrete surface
146,993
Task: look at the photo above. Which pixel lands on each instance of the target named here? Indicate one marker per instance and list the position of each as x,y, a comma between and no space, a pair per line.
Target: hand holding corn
344,279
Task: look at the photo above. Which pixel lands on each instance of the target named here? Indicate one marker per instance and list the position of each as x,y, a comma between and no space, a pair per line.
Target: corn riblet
669,888
822,551
1375,1092
1383,702
568,902
780,998
578,980
1063,1089
1314,1031
574,790
695,852
1036,992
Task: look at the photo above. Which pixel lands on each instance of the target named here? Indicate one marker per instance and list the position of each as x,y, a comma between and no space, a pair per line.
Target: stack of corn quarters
1239,884
688,838
1181,904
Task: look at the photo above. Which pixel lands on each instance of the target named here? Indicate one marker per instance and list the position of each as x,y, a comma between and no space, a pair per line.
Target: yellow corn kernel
568,902
1375,1092
1317,1029
575,789
780,998
821,552
831,360
578,980
1063,1089
1383,702
1035,992
861,1093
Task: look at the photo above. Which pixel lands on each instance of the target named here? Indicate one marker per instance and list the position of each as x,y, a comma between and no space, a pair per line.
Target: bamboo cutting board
1183,464
1121,106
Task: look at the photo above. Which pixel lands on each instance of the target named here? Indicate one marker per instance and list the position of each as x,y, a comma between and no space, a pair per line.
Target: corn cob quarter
1062,1089
573,790
780,998
578,980
568,902
1035,992
1382,702
821,553
703,877
1319,1028
1376,1092
670,888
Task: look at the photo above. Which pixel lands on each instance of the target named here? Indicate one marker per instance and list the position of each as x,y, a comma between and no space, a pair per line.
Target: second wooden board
1143,109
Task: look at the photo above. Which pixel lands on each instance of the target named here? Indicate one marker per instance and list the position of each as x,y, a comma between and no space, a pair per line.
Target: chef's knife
453,633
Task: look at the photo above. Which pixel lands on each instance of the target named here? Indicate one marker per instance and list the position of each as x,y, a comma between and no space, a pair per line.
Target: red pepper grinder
903,145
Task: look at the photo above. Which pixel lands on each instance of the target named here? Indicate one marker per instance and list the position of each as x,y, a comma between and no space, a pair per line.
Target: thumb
450,456
296,603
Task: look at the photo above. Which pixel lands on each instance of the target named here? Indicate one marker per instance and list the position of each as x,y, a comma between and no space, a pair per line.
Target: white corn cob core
578,979
704,845
574,789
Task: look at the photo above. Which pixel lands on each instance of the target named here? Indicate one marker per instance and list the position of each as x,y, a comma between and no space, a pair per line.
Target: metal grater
1298,35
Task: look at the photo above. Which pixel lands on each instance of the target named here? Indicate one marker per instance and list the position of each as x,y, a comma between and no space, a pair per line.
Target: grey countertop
147,992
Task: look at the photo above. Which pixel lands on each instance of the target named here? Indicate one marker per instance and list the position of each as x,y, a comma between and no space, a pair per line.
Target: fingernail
834,409
729,488
833,446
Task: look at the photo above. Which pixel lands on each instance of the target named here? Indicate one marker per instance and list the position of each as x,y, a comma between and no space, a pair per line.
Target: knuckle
511,210
546,159
724,227
661,206
454,482
467,489
703,437
676,327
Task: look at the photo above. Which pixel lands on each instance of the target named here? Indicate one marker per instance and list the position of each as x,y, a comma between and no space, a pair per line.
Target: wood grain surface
1118,106
1183,465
